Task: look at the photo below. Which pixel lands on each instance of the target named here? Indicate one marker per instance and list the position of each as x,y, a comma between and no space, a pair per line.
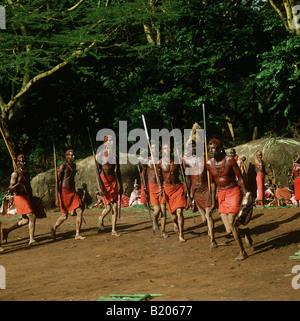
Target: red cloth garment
283,192
23,204
154,195
110,188
229,200
124,201
260,182
296,174
174,196
69,200
297,188
201,197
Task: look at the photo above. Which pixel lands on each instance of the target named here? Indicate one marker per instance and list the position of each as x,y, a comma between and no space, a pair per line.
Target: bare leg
105,211
202,214
210,226
22,222
237,237
226,223
180,219
163,220
175,221
79,213
156,212
60,220
114,219
32,220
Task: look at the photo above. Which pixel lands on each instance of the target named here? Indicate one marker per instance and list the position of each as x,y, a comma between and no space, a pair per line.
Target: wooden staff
10,153
98,177
152,157
56,178
206,153
182,173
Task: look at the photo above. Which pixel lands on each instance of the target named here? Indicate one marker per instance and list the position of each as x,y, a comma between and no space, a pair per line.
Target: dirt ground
139,262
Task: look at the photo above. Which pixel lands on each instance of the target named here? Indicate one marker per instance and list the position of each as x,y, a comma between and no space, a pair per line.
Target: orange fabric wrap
229,200
69,200
110,188
154,194
297,188
174,196
260,182
23,204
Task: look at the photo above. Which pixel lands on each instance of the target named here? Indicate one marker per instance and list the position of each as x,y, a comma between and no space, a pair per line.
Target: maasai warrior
156,198
110,175
199,191
243,169
173,191
241,164
69,200
296,177
21,188
143,159
235,156
260,167
223,171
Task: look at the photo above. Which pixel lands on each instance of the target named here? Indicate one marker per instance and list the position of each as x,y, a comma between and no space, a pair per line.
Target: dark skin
198,180
20,183
296,170
66,178
260,166
170,174
150,175
110,166
227,180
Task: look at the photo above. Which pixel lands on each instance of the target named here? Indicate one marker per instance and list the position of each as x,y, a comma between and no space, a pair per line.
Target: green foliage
238,60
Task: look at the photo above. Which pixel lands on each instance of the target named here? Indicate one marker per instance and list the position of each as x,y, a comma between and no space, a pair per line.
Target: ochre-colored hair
20,156
68,151
216,142
106,138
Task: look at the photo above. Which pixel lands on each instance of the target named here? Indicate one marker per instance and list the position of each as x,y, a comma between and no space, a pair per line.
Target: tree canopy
71,64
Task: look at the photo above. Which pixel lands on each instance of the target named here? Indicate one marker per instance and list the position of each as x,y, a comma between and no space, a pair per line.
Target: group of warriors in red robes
216,182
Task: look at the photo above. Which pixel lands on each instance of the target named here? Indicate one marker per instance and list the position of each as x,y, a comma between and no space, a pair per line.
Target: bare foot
155,227
53,234
241,257
33,243
101,225
115,233
1,249
181,239
163,234
79,237
213,245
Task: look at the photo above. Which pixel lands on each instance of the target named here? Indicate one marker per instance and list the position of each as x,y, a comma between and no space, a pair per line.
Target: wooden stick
14,163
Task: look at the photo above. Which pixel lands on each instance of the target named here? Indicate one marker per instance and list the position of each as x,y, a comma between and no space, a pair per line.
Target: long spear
10,153
152,157
183,175
56,178
98,178
206,153
143,182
